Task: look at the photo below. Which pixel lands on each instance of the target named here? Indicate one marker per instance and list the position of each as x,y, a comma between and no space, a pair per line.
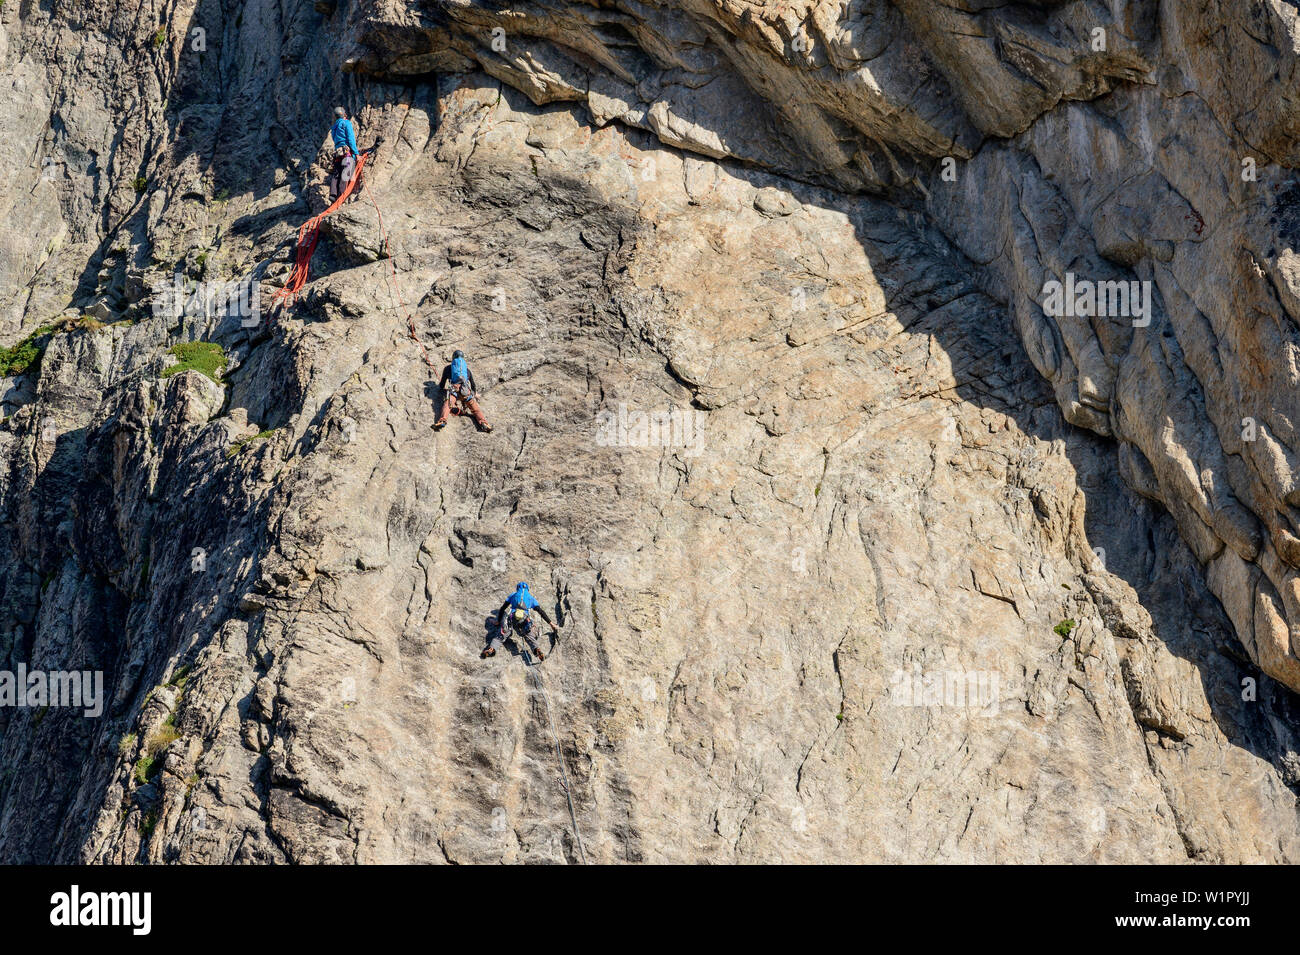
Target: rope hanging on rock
559,755
392,284
309,234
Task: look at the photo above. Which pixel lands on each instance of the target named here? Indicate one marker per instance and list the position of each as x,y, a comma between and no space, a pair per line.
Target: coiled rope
309,234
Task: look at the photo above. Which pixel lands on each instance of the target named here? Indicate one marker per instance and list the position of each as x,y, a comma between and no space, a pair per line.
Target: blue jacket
523,600
344,135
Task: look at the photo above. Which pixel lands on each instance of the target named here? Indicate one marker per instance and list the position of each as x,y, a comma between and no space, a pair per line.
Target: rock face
863,549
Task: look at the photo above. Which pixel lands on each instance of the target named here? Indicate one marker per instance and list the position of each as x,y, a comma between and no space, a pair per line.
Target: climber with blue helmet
520,606
458,394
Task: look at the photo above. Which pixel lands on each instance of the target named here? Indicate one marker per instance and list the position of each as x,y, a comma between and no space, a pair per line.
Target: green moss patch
244,442
207,358
17,359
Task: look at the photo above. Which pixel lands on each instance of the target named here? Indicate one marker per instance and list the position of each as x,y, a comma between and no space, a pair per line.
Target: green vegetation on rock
207,358
18,358
242,443
147,767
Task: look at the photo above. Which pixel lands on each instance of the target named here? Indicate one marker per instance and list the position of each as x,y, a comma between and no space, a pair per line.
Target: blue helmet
459,370
521,599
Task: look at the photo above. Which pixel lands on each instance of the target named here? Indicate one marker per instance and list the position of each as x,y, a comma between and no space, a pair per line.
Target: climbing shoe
540,655
487,652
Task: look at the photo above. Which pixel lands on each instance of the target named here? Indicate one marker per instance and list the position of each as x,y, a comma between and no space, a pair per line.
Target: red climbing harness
309,234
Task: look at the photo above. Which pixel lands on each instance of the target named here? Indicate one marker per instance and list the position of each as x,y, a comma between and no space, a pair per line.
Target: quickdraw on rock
392,283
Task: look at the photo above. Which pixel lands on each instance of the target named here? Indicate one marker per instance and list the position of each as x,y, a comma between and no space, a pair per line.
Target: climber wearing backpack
520,606
344,138
458,394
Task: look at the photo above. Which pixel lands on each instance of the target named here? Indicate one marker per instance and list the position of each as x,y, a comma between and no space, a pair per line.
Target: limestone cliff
862,550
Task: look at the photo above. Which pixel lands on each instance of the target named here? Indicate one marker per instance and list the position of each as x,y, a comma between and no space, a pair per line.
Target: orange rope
308,236
310,233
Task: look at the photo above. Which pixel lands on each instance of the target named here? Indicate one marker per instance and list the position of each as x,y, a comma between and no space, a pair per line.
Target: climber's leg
336,179
494,644
477,414
348,171
447,401
361,181
525,630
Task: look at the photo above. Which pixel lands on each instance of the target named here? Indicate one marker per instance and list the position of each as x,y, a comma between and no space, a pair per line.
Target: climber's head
521,590
340,112
457,354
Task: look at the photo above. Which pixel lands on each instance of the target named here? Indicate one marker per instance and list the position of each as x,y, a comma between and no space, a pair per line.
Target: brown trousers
460,400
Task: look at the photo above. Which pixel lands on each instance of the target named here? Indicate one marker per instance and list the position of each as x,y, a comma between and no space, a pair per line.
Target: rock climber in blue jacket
520,606
344,138
459,394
